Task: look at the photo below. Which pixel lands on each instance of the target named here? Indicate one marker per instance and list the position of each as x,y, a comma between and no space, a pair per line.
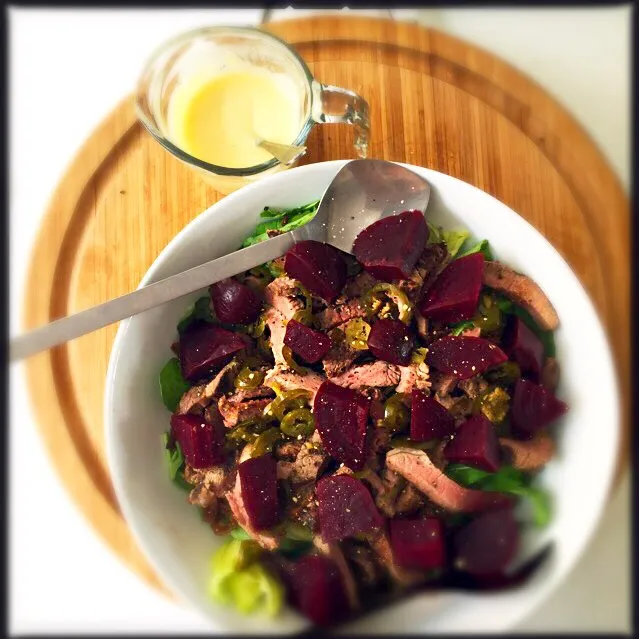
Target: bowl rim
552,580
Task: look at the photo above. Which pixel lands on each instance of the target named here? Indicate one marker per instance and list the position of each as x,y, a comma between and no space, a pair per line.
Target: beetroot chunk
309,344
523,346
206,348
534,407
463,356
389,248
258,481
317,590
391,341
318,266
341,415
418,543
202,442
429,419
487,544
475,444
454,295
346,508
234,303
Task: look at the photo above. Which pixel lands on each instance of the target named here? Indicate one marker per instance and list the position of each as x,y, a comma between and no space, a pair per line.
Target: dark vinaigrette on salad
359,425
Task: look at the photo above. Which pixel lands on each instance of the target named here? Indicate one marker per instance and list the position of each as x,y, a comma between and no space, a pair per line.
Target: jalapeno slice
356,333
488,317
265,442
248,378
387,301
494,403
396,413
298,422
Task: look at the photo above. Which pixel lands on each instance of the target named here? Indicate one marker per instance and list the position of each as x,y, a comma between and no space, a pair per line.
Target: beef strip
210,484
288,380
523,291
459,407
428,267
417,468
442,383
277,328
358,285
339,359
401,576
287,450
422,324
474,386
338,314
303,507
193,401
550,373
409,501
283,295
377,443
376,374
244,404
308,463
413,376
528,455
364,563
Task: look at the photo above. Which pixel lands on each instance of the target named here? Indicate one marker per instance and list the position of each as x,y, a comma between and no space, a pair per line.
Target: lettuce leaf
175,463
453,240
480,247
282,220
460,327
506,480
172,384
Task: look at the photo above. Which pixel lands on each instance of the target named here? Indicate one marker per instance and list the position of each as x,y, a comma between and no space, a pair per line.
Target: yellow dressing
220,119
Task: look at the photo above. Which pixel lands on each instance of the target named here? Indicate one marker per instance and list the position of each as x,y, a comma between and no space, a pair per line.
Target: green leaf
454,240
434,234
480,247
174,457
283,220
199,310
240,533
293,549
172,384
460,327
506,480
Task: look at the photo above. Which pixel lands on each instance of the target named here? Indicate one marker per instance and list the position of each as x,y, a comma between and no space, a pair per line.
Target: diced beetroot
523,346
346,508
389,248
202,442
234,303
341,415
454,295
391,341
317,590
534,407
464,357
429,419
318,266
475,444
258,481
418,543
206,348
309,344
487,544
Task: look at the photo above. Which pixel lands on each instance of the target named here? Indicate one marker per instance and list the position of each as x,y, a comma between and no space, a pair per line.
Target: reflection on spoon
285,153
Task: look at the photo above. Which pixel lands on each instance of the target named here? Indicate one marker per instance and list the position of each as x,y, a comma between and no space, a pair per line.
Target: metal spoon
362,192
285,153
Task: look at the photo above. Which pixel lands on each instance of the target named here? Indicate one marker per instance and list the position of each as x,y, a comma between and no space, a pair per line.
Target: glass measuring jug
198,56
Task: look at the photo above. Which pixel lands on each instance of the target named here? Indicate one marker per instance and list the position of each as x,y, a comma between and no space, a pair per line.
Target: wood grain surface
435,101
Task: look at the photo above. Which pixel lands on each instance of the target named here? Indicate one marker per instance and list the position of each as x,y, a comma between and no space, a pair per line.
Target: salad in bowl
358,426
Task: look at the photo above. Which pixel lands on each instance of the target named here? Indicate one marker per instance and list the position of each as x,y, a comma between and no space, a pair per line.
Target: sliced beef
409,501
550,374
364,563
422,325
523,291
221,382
303,507
288,380
441,383
193,401
340,313
386,488
528,455
428,267
474,386
339,359
417,468
244,404
376,374
219,516
277,327
377,443
306,467
238,508
358,285
287,450
334,551
210,484
283,295
413,376
459,407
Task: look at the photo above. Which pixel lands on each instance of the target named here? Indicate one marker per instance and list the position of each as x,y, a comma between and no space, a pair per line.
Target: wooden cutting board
435,101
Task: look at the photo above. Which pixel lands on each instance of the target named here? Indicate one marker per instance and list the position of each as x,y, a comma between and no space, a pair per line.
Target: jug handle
333,104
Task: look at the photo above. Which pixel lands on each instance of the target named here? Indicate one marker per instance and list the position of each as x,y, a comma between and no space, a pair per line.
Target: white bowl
168,529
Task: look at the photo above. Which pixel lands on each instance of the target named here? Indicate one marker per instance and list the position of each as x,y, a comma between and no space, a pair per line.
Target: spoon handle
147,297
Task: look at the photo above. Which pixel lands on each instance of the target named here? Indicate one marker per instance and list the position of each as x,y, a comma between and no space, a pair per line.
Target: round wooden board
435,102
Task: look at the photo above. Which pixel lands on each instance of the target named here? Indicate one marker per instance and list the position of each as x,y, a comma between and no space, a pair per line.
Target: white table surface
68,69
